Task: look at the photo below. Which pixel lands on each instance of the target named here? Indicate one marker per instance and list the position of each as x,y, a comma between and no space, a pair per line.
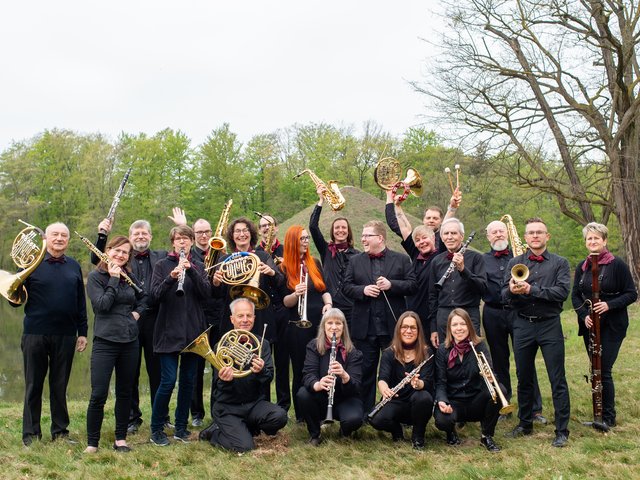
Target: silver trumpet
302,301
491,382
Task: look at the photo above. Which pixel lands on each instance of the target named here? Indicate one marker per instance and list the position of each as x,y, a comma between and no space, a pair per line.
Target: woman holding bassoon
616,292
408,356
331,383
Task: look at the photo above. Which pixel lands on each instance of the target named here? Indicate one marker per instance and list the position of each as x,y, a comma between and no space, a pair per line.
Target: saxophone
516,244
332,193
271,238
217,243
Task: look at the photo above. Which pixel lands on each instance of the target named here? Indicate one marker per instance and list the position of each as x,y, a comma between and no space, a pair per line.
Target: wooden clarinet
595,350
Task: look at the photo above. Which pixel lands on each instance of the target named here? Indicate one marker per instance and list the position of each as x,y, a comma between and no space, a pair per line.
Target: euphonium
517,246
26,254
331,194
236,349
217,243
241,267
491,382
387,174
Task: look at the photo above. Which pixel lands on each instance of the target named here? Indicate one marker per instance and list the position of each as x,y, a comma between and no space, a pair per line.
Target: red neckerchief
605,257
456,350
335,247
339,348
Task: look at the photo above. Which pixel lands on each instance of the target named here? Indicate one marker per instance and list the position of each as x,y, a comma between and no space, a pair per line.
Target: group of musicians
348,324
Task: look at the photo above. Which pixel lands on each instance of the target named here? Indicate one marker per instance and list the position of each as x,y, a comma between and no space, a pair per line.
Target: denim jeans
168,377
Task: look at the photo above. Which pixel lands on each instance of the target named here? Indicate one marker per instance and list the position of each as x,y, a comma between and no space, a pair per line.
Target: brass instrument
519,272
236,349
332,390
181,275
517,246
491,382
387,175
105,258
217,243
271,238
331,194
26,254
302,301
241,267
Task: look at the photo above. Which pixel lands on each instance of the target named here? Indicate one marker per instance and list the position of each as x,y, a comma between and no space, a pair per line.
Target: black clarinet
332,389
116,198
452,265
181,275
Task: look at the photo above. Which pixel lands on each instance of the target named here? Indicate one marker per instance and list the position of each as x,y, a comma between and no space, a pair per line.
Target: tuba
517,246
27,255
217,243
387,175
332,194
241,267
236,349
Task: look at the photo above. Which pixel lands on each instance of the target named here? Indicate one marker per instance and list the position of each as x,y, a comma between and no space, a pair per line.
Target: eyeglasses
305,238
202,232
244,230
367,235
409,328
537,233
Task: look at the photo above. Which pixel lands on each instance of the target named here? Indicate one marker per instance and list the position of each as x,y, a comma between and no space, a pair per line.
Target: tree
553,84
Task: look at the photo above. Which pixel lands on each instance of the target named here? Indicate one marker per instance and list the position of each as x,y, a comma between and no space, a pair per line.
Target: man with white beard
497,317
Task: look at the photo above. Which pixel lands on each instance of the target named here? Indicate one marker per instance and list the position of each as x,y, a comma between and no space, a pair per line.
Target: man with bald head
55,325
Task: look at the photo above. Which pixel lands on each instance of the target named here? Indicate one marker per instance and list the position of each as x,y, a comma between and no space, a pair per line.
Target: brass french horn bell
242,267
387,174
519,272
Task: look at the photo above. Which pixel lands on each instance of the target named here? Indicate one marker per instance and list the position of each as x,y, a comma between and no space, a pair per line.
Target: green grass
589,454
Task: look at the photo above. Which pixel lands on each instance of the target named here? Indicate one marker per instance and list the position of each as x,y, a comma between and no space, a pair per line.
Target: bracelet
451,209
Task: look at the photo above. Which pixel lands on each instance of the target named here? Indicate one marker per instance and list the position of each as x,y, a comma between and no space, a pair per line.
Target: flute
105,258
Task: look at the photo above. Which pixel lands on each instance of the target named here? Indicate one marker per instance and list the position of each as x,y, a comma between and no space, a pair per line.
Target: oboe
452,265
595,349
332,388
398,387
105,258
116,198
181,275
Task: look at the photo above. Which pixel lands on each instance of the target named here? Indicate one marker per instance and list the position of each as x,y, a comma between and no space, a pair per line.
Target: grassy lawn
590,454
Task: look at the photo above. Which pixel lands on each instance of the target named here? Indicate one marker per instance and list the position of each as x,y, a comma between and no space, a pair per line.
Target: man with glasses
378,280
277,248
537,304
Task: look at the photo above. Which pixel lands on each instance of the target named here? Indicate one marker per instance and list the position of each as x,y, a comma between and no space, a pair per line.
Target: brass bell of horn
519,272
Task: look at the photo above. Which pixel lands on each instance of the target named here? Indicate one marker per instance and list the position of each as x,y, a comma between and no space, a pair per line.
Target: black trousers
547,336
415,411
479,408
106,357
238,422
297,339
371,348
347,410
498,328
281,361
42,353
152,364
610,349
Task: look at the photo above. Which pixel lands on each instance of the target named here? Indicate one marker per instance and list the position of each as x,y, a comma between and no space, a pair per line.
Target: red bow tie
501,253
536,258
377,255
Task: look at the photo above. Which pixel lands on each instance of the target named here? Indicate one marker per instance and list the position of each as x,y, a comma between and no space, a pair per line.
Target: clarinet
452,265
116,198
397,388
595,349
181,275
332,388
105,258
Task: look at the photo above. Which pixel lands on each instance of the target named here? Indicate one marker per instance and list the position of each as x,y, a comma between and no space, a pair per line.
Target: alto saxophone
331,194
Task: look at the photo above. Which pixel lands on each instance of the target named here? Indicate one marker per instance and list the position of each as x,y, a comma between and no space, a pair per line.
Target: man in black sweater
239,410
55,324
537,302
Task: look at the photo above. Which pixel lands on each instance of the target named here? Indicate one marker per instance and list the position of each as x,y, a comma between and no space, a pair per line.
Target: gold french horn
27,255
388,173
241,267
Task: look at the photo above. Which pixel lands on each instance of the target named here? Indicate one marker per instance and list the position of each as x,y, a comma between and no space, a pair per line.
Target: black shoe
539,418
611,422
460,425
315,441
66,438
489,444
159,439
206,434
504,418
417,443
197,422
29,439
183,436
519,431
121,448
134,427
560,440
453,439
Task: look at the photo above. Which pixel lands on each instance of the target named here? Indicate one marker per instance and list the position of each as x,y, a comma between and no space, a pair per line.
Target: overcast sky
142,66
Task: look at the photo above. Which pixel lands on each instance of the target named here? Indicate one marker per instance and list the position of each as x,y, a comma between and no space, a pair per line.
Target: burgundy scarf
604,258
458,349
339,348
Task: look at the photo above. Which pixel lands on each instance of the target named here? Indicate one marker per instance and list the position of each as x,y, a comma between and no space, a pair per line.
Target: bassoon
595,350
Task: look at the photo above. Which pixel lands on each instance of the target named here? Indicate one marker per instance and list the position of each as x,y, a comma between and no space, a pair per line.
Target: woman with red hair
312,294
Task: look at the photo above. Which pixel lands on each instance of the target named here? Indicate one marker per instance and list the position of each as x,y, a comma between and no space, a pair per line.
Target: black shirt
316,366
496,268
393,372
549,282
463,381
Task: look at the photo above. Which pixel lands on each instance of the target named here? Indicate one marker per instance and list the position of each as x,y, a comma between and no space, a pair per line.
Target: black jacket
393,372
463,381
317,366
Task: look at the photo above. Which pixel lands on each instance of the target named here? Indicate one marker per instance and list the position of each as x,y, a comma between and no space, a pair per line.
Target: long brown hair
116,242
321,342
291,264
462,313
422,349
349,232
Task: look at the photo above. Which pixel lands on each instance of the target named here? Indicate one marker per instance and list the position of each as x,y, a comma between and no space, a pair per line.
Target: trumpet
331,194
217,244
302,301
181,275
332,390
491,382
